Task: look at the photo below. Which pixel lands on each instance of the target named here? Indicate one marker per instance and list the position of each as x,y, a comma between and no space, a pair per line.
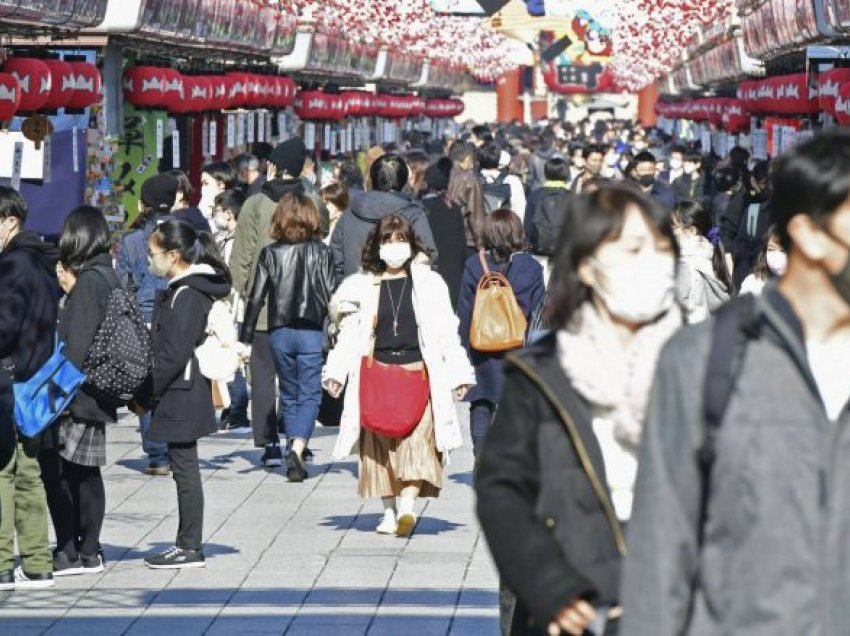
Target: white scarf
614,379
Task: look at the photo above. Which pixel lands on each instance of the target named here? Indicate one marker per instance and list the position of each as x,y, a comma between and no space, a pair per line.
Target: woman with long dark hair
400,355
74,448
556,474
180,397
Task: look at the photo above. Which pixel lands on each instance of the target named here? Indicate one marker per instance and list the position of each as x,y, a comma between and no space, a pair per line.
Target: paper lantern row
320,106
28,85
155,87
728,113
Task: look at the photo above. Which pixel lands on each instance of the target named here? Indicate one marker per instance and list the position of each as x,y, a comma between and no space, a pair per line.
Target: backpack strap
735,325
483,257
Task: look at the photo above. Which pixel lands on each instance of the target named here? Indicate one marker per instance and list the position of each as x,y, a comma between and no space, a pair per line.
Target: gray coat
775,556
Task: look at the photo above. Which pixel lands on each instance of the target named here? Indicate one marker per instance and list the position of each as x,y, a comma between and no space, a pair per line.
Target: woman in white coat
395,316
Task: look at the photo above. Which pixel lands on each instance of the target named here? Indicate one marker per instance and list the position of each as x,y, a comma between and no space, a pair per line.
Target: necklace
396,309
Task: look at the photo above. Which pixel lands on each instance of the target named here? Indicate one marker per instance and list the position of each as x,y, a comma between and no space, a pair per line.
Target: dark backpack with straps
497,193
548,217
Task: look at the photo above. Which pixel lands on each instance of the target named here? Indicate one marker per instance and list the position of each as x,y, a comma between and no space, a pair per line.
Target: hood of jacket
205,279
276,188
372,206
698,253
46,253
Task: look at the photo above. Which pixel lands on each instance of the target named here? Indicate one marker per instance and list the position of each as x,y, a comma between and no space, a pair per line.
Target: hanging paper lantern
358,104
62,84
238,90
795,96
88,84
10,96
144,86
34,79
828,85
219,90
842,104
312,105
736,118
196,91
174,92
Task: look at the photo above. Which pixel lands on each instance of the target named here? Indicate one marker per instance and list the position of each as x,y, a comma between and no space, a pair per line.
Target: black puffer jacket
295,284
543,499
181,397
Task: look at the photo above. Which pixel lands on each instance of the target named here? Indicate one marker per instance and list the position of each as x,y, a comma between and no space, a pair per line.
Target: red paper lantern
736,118
219,98
842,104
62,82
238,90
88,83
828,85
174,91
197,95
34,80
358,104
10,96
312,105
144,86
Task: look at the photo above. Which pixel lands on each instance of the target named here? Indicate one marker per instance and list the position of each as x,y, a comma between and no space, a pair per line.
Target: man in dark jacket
155,204
690,185
29,298
644,173
388,176
539,157
753,538
547,208
466,191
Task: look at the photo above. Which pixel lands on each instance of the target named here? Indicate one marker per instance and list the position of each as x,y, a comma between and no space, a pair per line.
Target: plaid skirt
82,443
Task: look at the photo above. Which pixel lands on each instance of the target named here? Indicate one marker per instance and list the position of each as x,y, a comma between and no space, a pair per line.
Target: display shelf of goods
10,96
838,15
776,27
284,38
34,81
364,58
70,14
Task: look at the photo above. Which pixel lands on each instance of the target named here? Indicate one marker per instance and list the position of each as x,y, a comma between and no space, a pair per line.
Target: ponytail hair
195,248
692,214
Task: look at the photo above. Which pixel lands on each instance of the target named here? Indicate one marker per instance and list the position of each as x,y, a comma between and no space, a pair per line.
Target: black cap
437,175
289,156
160,192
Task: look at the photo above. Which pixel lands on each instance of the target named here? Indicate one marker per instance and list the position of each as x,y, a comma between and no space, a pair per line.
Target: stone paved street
281,558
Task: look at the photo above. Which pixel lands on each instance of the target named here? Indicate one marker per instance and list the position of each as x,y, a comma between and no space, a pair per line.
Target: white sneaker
24,582
388,523
406,523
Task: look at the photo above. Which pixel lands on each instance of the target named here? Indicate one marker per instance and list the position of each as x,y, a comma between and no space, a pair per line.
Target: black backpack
548,218
497,193
120,357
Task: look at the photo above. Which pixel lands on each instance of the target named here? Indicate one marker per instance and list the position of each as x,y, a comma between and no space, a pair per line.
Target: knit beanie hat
437,174
160,192
290,156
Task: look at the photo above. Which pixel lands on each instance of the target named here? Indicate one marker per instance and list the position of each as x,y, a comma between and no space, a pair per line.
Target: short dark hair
488,156
336,192
350,174
261,150
481,131
232,201
12,204
194,247
644,157
812,179
677,150
184,186
296,219
556,169
726,179
388,173
592,149
461,150
247,162
547,139
85,234
222,172
390,226
693,157
591,220
503,234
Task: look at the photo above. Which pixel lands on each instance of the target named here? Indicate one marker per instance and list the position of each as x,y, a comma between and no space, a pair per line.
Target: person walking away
742,491
446,221
183,210
388,176
417,163
216,178
73,449
29,298
703,282
295,279
770,266
465,190
726,182
156,201
690,186
403,325
181,398
496,180
228,206
539,157
643,174
744,205
755,221
558,464
505,253
547,212
335,196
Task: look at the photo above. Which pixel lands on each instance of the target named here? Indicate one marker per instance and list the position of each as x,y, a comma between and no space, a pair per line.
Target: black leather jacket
295,282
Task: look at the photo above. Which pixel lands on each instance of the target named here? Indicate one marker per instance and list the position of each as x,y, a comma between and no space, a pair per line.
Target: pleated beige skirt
389,464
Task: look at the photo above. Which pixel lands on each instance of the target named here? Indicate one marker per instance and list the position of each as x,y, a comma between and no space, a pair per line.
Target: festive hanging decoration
62,83
87,86
34,79
144,86
10,96
828,85
842,104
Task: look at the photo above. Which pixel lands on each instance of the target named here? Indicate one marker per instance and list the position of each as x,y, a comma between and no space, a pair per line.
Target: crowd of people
658,450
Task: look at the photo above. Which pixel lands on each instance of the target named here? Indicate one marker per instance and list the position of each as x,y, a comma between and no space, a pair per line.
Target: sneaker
176,558
92,564
63,565
388,524
225,418
295,470
406,522
7,581
237,424
28,581
307,455
272,457
158,470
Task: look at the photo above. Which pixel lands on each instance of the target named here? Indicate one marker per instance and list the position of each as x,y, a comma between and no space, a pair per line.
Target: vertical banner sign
252,137
333,147
175,149
160,137
231,130
281,126
789,138
706,141
75,149
310,135
17,164
268,125
261,126
760,144
326,137
240,129
48,160
349,137
213,144
205,137
776,150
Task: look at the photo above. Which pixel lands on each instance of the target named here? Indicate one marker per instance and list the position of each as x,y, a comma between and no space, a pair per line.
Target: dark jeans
77,502
157,452
238,390
298,359
480,420
264,421
190,494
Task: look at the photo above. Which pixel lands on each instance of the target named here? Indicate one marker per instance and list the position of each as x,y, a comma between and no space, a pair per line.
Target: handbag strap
482,255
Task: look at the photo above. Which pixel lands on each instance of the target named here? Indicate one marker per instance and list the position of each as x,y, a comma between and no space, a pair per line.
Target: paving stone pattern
281,558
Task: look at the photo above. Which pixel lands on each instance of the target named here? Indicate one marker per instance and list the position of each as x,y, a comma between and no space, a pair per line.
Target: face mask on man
777,262
675,165
395,255
207,202
637,290
646,180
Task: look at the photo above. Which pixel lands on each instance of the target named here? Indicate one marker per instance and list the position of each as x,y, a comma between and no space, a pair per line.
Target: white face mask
221,222
777,262
637,290
207,202
395,255
675,164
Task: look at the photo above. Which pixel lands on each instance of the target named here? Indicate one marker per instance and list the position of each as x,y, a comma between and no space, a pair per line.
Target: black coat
447,226
543,499
194,217
79,320
181,397
295,283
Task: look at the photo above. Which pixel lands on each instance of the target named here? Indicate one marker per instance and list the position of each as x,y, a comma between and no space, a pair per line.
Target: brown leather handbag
498,322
